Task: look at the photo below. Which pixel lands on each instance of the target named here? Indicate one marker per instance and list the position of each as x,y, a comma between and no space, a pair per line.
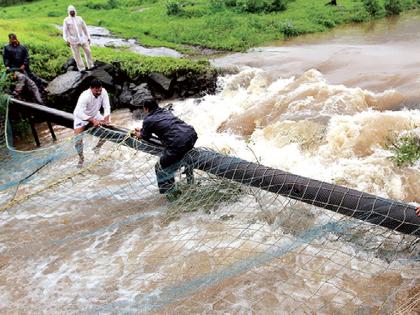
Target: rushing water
322,106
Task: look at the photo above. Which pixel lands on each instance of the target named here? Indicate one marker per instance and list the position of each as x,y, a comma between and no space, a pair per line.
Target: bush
392,7
54,14
372,7
217,5
5,3
232,3
289,30
173,8
257,6
110,4
406,149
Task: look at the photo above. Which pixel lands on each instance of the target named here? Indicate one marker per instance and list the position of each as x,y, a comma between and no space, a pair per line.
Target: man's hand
418,211
94,122
136,133
22,67
106,120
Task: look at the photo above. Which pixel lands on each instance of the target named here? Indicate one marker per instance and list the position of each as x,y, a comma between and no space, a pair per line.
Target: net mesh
100,239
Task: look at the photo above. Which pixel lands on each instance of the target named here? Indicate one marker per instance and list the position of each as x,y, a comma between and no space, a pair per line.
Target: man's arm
85,29
25,58
6,57
106,106
65,33
146,132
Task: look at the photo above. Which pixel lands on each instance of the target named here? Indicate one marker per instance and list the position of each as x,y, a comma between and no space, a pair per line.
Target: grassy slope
147,21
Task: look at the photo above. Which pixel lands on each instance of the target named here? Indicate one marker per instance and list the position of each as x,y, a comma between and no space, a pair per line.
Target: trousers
169,162
75,48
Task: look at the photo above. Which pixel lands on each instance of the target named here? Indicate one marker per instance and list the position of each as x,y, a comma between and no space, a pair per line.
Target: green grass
200,23
49,52
205,23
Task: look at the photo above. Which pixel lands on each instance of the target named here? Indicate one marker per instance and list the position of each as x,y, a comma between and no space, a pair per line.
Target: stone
64,83
161,81
141,94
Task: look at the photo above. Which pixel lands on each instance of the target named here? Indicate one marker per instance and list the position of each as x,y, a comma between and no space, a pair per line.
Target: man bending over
87,112
177,137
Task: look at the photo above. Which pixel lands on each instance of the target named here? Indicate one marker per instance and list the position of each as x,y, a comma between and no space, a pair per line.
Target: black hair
95,83
150,104
12,35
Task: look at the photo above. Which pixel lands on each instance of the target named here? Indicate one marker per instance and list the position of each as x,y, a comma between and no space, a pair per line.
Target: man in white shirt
87,111
76,35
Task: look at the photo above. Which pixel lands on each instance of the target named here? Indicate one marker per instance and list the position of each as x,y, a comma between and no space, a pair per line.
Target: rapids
322,106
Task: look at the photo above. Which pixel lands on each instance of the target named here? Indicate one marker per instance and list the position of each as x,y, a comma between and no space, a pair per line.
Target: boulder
125,97
141,93
64,83
70,65
161,82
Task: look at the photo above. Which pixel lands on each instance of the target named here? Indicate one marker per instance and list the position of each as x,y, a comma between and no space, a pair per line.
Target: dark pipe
394,215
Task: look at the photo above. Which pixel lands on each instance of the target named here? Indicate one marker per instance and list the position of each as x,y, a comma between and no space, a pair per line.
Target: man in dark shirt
16,56
177,137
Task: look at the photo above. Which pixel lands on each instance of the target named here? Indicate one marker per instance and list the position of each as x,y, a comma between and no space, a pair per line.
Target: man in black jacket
16,56
177,137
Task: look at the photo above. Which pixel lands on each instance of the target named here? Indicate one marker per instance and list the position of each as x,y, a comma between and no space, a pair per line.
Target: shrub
406,149
278,5
173,8
217,5
54,14
110,4
257,6
232,3
289,30
392,7
372,7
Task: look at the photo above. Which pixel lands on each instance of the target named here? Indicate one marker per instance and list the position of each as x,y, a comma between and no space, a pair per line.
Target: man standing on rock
87,112
76,35
177,137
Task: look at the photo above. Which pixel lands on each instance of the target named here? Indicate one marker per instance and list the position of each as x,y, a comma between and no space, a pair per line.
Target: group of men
16,57
177,136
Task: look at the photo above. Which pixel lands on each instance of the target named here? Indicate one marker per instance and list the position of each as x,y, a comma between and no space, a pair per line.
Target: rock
64,83
100,73
70,65
160,81
125,96
64,90
141,94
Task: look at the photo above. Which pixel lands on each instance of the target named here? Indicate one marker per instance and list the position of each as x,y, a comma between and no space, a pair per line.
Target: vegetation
406,149
48,53
219,24
393,7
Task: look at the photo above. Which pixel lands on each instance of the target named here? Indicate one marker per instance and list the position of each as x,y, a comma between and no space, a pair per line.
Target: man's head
96,87
71,10
13,39
150,105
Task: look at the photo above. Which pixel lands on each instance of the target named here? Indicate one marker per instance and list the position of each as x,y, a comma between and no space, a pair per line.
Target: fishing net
100,239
